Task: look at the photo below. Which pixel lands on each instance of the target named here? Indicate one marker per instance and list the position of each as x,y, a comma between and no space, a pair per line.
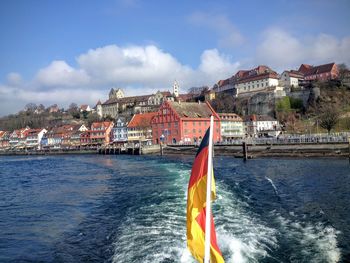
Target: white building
232,127
261,126
290,79
255,80
34,137
120,131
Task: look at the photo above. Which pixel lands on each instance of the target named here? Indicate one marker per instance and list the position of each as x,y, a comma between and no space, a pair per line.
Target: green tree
283,105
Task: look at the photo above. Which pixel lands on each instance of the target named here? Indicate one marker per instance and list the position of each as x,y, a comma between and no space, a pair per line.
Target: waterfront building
140,128
4,139
321,73
53,138
34,137
184,122
85,138
261,126
74,139
120,131
100,132
18,137
232,127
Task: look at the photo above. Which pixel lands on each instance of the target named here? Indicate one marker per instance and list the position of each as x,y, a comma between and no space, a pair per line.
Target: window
194,130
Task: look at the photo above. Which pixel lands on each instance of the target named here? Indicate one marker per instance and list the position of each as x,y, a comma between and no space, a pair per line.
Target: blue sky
65,51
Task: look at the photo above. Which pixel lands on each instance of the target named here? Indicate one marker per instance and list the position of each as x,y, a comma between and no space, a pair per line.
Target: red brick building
322,72
184,122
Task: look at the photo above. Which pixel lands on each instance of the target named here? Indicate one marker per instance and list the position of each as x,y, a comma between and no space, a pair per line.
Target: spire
176,89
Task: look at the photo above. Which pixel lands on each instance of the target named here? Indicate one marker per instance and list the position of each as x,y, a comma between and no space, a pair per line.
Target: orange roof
2,133
102,124
141,120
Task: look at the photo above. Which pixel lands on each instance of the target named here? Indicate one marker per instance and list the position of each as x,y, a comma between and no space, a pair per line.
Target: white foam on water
157,232
316,242
242,236
273,185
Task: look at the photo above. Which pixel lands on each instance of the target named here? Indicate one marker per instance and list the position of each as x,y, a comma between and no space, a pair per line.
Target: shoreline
333,150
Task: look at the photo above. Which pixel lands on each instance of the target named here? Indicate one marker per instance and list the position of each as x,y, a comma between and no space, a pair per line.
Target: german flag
196,207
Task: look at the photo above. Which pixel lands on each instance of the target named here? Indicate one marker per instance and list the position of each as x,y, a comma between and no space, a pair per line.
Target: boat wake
157,232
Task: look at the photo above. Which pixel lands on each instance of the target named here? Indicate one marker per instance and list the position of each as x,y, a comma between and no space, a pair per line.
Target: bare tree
342,71
30,107
329,118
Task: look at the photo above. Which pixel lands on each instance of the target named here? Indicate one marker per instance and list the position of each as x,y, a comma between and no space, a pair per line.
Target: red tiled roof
257,73
308,70
141,119
296,74
102,124
230,117
272,75
223,82
191,109
33,132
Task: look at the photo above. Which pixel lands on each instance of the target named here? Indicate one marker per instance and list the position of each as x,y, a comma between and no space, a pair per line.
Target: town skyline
64,53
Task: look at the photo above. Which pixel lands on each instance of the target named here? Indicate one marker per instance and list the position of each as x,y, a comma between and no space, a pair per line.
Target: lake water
97,208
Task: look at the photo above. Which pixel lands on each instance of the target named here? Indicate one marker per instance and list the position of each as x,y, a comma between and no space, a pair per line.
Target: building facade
140,128
184,122
291,79
232,127
100,132
120,131
261,126
323,72
254,80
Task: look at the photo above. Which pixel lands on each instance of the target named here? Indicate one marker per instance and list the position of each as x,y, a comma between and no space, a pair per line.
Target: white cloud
60,74
281,50
14,78
136,69
228,35
146,66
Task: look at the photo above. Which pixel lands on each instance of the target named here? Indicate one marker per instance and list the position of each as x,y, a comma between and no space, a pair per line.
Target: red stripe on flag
201,221
200,167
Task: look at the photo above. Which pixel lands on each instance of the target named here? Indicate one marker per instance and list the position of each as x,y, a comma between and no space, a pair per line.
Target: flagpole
208,200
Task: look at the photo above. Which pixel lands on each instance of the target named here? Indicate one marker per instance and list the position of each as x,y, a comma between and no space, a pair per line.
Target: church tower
176,89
